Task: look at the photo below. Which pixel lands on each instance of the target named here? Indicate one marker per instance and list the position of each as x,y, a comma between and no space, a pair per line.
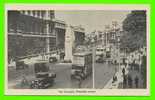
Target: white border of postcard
99,92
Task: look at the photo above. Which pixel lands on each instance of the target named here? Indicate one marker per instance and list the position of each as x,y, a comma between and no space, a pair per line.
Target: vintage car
52,59
100,60
21,65
44,78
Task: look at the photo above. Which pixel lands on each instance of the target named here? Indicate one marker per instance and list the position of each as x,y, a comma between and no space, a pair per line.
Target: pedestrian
115,62
133,64
136,81
127,62
130,81
80,81
124,81
24,81
114,78
123,71
124,62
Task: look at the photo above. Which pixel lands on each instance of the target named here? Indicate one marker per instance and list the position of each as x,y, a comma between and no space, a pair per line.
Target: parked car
52,59
44,78
100,60
21,65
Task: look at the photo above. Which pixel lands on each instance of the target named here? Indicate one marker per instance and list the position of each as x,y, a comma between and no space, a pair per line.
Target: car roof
82,53
41,61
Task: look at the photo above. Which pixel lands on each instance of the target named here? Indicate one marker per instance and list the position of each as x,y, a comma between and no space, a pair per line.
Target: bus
82,65
100,51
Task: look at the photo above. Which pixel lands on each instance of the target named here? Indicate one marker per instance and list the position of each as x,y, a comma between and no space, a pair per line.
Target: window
79,60
113,36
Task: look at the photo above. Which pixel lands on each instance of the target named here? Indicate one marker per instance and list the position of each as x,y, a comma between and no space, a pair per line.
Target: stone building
37,31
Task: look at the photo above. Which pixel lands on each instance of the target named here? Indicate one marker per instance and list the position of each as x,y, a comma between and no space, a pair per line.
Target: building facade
35,31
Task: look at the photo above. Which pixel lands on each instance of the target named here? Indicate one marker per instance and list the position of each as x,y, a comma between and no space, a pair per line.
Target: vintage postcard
56,49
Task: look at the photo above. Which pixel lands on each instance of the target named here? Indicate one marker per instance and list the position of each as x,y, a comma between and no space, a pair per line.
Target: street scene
76,49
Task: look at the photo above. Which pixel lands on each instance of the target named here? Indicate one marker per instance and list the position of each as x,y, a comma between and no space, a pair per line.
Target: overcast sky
91,20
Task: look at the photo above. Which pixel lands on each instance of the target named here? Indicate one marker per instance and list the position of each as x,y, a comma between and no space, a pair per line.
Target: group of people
133,62
135,58
128,81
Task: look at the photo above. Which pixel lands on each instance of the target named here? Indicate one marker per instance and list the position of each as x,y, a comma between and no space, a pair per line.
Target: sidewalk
119,81
114,85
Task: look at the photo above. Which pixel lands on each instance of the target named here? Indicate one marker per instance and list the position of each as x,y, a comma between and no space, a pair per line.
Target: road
103,73
63,79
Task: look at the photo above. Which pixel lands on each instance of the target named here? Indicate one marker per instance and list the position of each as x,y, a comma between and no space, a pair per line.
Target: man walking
130,81
123,71
136,81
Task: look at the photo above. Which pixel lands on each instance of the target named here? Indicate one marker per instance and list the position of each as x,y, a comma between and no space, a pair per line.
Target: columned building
36,31
30,32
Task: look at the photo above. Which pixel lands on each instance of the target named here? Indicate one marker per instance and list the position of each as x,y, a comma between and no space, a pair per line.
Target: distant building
112,39
106,37
109,39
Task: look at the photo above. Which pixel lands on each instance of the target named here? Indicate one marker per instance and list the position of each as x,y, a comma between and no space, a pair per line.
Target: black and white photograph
77,49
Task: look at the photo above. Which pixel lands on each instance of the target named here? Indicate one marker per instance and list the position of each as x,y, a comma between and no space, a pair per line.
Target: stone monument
69,40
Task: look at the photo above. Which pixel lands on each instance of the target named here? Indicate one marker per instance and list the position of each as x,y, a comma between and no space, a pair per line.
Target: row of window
39,13
29,27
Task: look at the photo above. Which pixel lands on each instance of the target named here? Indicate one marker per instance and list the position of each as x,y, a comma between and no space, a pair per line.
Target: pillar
47,32
68,44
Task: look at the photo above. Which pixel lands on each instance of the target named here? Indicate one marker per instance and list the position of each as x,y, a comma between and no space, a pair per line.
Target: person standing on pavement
24,81
130,81
123,71
136,81
124,81
132,63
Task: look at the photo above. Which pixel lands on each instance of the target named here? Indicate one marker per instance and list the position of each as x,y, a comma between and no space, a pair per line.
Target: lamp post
118,42
93,52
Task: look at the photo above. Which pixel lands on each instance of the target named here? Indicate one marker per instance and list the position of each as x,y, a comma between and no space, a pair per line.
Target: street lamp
93,52
118,42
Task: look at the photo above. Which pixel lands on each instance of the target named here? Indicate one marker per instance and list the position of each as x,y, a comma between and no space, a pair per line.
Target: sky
91,20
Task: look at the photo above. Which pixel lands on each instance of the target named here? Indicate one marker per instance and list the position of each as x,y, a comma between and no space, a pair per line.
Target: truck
82,65
44,78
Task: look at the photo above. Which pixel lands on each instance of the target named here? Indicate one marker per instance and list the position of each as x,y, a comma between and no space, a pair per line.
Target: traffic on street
79,52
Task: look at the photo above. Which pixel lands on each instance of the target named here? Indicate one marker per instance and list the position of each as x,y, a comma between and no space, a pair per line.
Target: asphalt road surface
103,73
63,79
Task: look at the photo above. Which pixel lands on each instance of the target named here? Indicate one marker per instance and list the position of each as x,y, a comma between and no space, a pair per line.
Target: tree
134,30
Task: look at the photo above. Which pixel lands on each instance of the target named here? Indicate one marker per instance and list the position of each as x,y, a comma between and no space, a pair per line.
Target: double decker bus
82,65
